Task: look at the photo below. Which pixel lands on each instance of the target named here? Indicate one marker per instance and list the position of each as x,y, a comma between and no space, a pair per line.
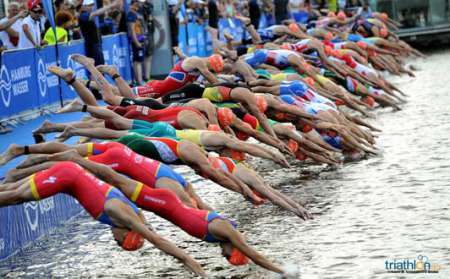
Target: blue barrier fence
24,223
25,83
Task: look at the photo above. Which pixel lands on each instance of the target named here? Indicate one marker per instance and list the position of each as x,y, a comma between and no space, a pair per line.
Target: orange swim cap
214,128
225,117
292,145
132,241
261,103
294,27
384,16
329,50
216,63
329,36
369,100
362,44
384,32
237,258
341,15
309,81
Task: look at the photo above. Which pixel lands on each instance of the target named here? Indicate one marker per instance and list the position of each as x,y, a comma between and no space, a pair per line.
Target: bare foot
12,152
32,160
228,36
107,69
66,74
66,134
75,105
45,128
68,155
83,60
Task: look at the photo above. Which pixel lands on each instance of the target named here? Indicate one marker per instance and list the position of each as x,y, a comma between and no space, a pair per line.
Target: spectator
174,6
30,33
89,30
135,22
281,10
254,13
63,21
149,43
10,26
213,14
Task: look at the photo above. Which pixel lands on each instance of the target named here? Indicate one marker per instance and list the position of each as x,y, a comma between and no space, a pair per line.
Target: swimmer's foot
47,127
10,153
32,160
66,134
69,155
107,69
83,60
228,36
73,106
66,74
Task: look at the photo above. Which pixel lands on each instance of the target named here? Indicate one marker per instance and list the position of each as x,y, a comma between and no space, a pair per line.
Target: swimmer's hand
195,267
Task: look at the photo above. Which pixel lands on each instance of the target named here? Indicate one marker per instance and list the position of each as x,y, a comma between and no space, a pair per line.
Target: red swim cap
309,81
300,156
132,241
362,44
292,145
237,258
237,155
33,3
225,116
384,32
339,102
294,27
384,16
369,100
307,128
328,50
261,103
328,36
214,128
341,15
216,63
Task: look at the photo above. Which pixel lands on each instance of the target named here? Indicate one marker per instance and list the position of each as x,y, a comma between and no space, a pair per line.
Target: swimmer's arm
292,110
127,217
267,67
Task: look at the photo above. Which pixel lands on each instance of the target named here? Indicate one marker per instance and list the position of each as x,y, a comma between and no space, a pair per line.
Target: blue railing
25,83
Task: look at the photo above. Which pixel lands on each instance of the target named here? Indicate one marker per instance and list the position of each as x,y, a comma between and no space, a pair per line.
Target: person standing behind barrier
174,6
10,35
281,10
213,14
254,12
30,33
63,21
90,31
137,37
149,42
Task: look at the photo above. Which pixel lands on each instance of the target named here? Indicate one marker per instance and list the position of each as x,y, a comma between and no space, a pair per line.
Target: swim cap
309,81
329,36
300,156
132,241
214,128
237,155
292,145
328,50
384,32
237,258
369,100
306,128
261,103
285,46
384,16
339,102
225,117
362,44
294,27
216,63
33,3
341,15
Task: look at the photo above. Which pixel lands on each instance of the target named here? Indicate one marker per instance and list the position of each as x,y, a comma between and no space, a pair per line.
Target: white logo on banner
5,86
2,244
42,78
116,56
32,214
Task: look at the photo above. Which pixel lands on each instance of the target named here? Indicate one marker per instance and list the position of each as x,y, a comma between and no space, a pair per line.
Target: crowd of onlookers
26,24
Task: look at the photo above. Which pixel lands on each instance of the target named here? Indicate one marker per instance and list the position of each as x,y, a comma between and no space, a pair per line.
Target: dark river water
391,207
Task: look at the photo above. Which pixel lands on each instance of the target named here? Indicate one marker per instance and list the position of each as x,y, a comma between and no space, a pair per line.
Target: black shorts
138,53
150,103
